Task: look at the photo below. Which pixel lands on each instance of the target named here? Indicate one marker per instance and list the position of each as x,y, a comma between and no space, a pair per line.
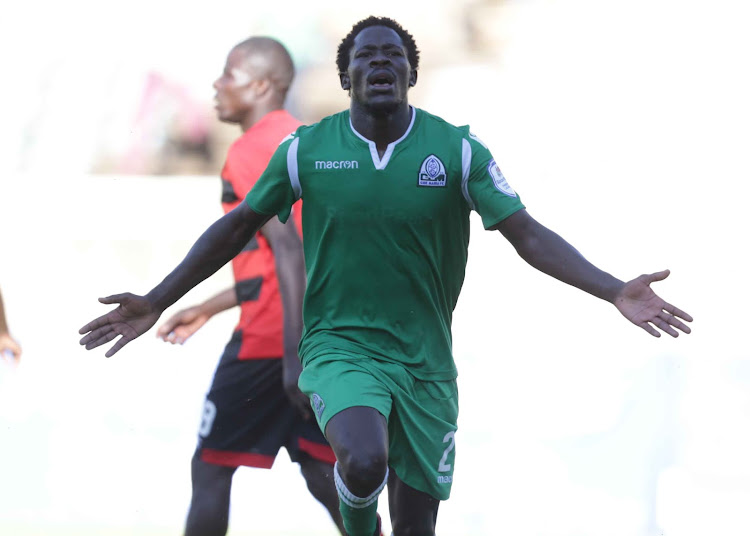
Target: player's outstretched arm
182,325
548,252
137,314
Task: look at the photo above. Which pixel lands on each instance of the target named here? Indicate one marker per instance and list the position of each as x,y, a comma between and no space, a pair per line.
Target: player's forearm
3,322
290,270
221,302
215,247
550,253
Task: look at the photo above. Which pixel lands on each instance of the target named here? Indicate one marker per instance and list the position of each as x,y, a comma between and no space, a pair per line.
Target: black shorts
247,417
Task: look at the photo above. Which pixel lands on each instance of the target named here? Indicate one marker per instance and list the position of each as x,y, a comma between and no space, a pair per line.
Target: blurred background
624,127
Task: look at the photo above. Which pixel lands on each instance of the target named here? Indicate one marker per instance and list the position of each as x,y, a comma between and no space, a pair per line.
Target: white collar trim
380,163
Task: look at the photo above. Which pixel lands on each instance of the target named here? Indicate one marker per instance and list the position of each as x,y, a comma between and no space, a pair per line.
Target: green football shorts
421,415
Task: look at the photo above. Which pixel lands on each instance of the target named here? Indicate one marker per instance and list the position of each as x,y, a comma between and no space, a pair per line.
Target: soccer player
8,345
388,189
254,405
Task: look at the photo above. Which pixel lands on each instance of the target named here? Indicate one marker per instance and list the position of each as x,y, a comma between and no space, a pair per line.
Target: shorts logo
317,405
432,172
499,179
444,479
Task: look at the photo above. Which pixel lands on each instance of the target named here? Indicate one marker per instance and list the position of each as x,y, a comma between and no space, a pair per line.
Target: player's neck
382,128
256,114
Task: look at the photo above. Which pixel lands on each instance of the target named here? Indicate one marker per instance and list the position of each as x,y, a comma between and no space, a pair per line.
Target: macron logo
336,164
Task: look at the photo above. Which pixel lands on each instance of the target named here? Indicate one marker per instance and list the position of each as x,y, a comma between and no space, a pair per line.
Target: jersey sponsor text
336,164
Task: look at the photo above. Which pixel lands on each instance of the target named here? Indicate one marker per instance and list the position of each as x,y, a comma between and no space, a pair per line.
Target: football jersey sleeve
485,187
277,188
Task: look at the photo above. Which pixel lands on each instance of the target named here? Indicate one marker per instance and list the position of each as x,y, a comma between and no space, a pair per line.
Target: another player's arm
137,314
548,252
184,324
7,343
3,321
290,271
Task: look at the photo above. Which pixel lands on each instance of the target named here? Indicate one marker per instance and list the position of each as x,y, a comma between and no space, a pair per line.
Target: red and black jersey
259,331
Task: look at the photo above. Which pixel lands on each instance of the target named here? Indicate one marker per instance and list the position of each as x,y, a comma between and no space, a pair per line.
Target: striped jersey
259,333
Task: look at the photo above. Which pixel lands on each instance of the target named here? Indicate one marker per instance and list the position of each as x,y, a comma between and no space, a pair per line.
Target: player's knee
364,469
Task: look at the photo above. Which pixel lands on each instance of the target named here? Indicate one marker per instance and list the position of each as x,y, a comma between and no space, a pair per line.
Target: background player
8,345
388,190
254,405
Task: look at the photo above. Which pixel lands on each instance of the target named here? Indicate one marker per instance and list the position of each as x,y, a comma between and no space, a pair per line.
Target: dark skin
378,79
379,111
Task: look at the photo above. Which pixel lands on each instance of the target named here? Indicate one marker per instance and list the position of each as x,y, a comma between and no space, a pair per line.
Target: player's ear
262,87
346,82
413,78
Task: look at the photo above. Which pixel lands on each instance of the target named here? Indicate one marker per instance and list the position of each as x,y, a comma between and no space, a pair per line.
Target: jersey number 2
442,466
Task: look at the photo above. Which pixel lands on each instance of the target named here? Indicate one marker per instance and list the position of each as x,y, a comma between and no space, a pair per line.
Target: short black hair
345,47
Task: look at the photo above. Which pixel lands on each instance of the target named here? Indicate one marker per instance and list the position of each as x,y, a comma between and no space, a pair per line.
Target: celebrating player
388,189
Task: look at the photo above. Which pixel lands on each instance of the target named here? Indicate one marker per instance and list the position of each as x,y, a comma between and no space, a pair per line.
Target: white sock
349,498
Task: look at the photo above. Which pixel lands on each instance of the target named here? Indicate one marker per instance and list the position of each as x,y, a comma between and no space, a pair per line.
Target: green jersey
385,239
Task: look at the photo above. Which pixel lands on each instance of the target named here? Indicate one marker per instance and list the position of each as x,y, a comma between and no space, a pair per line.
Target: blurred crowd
152,115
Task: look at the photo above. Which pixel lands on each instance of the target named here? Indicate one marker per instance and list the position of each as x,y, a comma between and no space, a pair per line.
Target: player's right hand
134,316
181,326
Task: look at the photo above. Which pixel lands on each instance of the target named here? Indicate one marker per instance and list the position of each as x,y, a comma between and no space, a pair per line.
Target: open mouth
381,79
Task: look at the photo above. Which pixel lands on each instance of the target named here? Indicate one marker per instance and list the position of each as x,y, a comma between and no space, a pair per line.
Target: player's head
377,63
257,75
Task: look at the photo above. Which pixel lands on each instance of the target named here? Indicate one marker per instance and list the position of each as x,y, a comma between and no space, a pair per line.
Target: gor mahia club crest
432,172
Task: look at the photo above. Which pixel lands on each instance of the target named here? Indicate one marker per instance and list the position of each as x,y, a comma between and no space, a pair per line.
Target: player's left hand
639,304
